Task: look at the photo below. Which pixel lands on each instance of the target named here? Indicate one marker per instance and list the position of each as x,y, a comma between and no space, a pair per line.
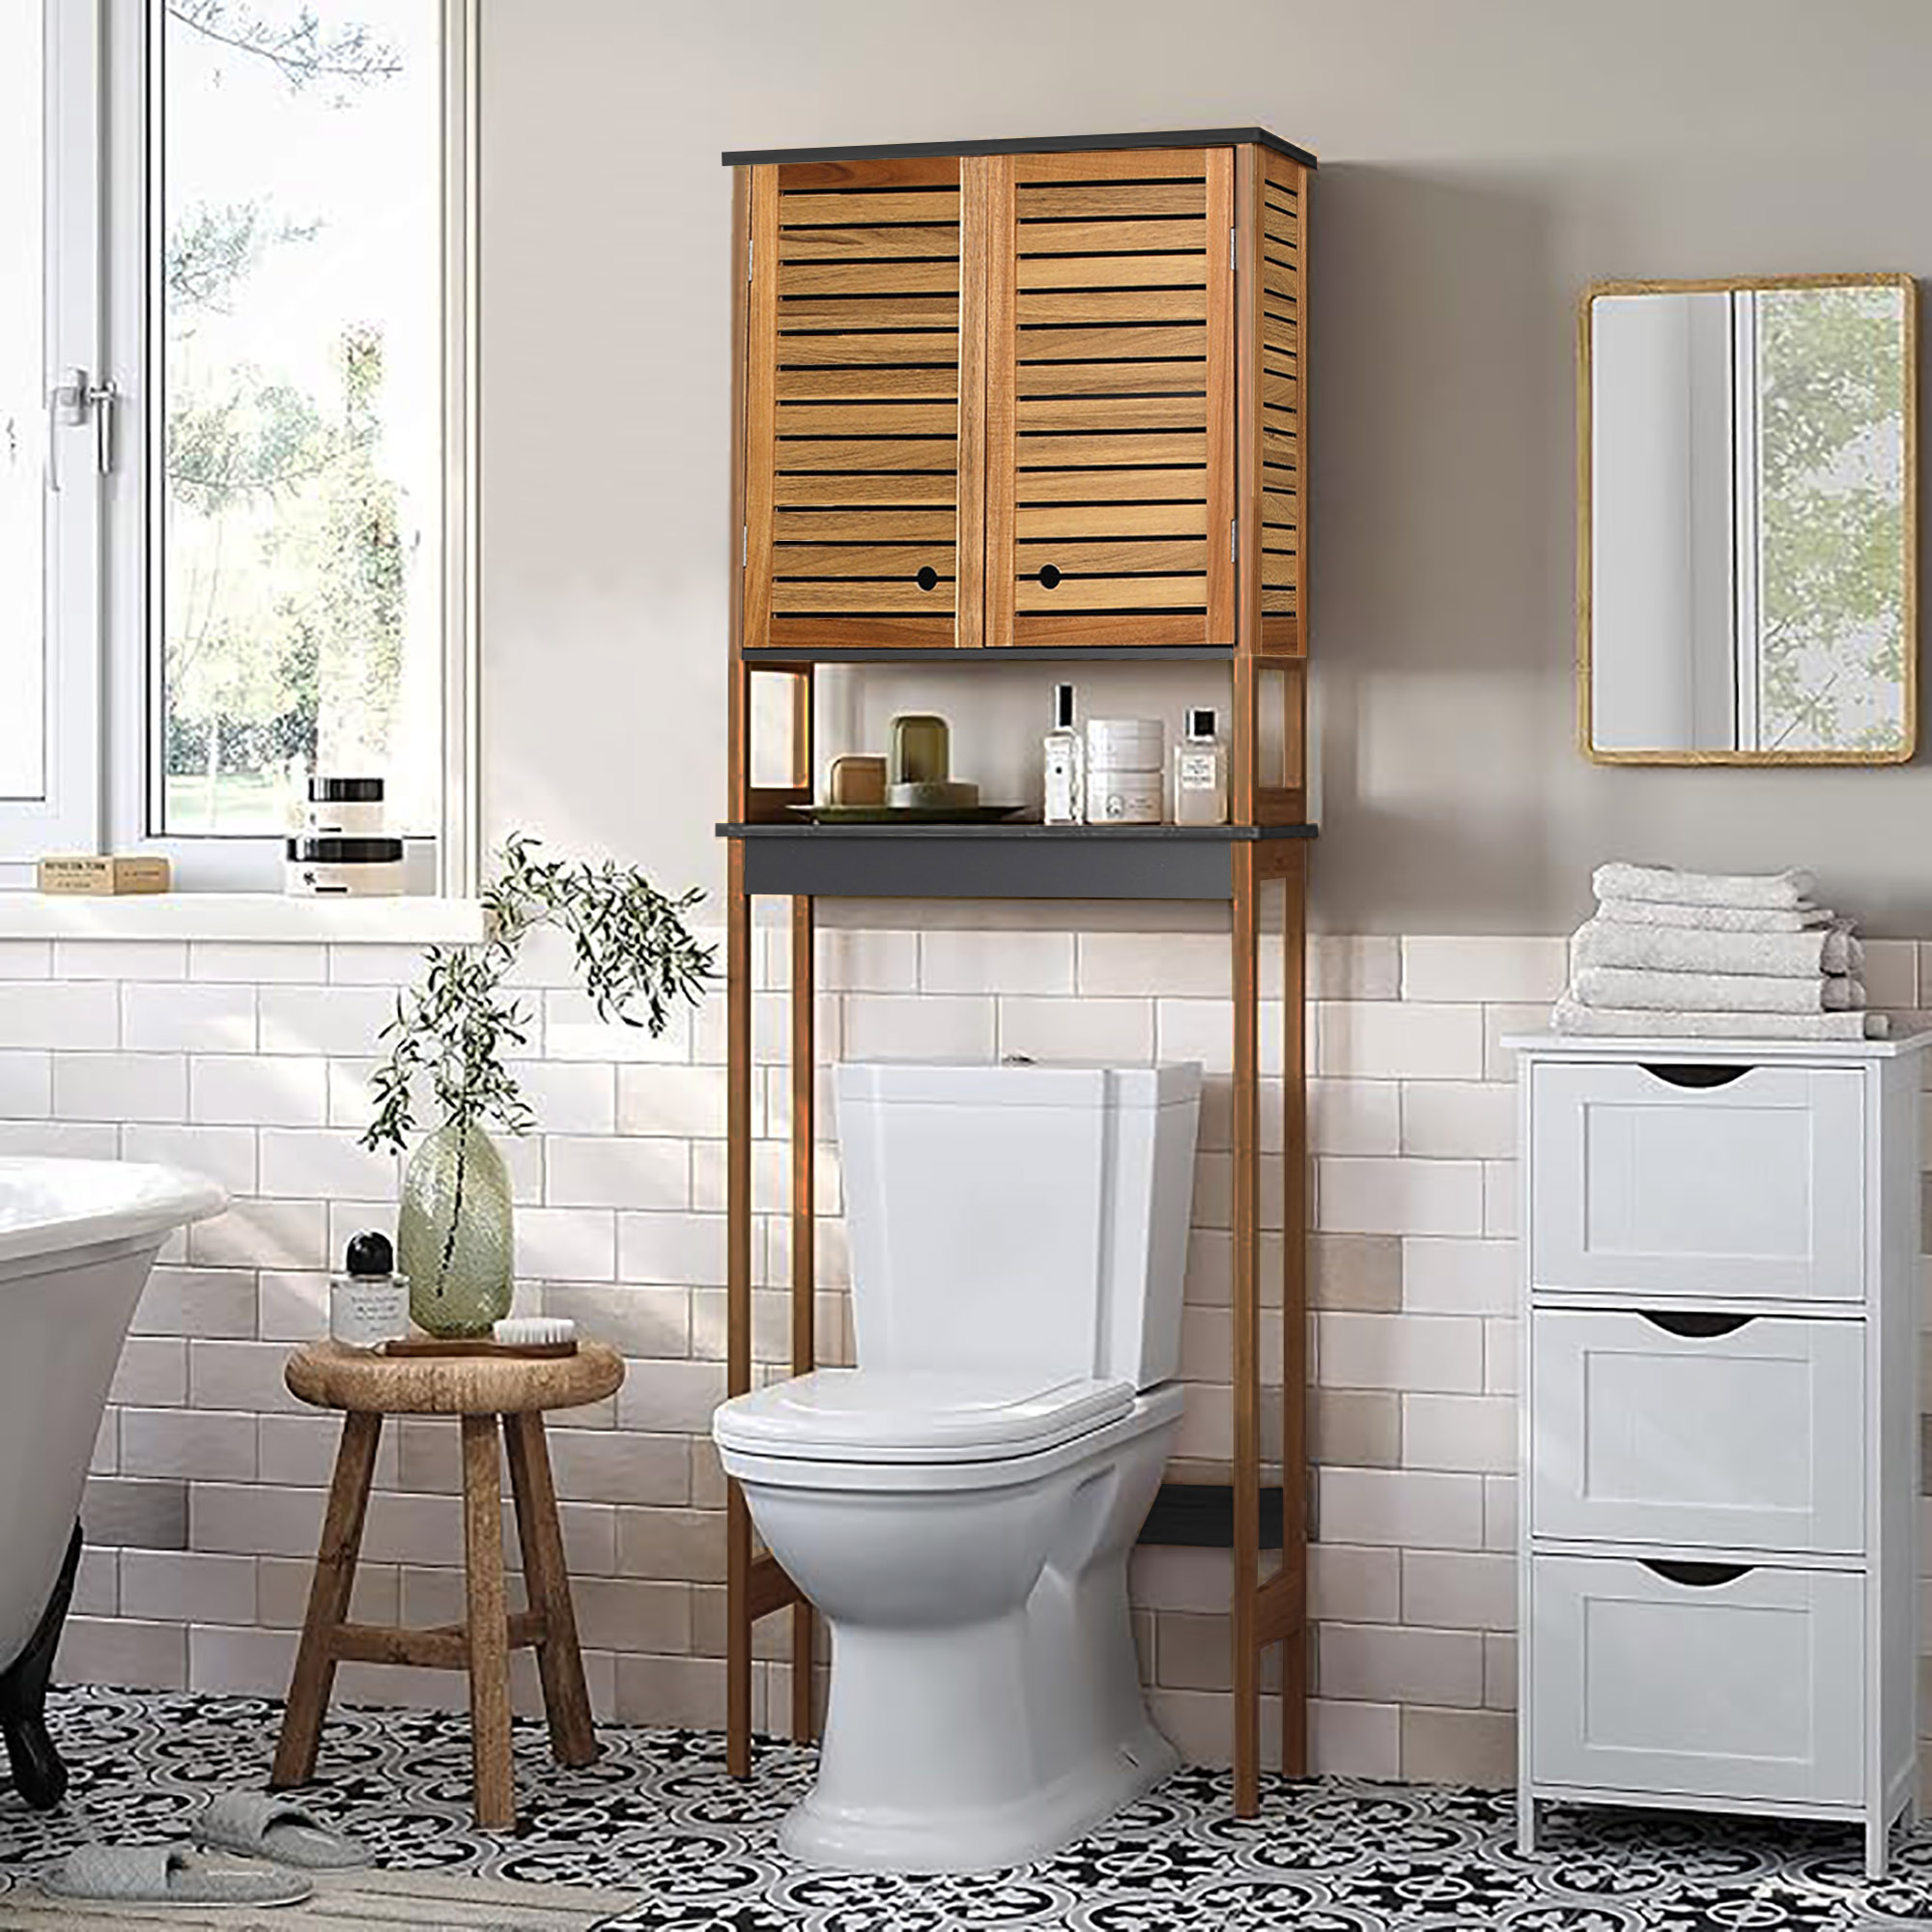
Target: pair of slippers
282,1841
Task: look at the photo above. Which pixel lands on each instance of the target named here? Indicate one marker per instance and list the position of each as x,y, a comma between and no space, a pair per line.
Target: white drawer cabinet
1698,1680
1719,1427
1744,1186
1711,1432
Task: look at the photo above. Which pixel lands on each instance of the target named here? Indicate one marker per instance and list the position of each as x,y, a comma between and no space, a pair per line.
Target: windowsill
242,917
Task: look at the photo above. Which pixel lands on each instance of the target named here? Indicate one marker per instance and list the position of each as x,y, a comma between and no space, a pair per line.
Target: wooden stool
480,1389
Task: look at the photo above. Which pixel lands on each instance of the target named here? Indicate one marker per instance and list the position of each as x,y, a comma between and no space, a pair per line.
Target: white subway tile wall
251,1063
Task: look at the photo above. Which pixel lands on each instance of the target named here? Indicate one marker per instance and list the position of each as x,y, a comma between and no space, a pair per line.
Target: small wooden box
91,875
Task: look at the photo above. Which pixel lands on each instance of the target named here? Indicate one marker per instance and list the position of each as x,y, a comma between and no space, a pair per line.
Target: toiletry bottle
1201,772
369,1304
1064,783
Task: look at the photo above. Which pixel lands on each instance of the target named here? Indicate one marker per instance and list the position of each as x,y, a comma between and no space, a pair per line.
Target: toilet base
984,1838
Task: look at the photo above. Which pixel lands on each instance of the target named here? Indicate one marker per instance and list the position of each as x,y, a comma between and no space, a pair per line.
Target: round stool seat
329,1376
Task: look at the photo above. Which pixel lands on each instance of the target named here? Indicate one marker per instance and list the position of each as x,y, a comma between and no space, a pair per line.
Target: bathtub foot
38,1775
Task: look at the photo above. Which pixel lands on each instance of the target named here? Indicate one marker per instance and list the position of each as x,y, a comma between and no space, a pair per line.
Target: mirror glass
1748,522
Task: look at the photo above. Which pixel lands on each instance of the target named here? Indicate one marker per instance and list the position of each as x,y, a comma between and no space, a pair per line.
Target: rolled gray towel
1714,992
1780,890
1642,1023
1713,919
1677,948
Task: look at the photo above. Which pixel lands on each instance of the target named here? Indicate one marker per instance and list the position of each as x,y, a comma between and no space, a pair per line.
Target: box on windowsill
94,875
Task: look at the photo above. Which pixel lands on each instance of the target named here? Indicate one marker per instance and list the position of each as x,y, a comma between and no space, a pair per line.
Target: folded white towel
1794,955
1714,992
1780,890
1713,919
1634,1023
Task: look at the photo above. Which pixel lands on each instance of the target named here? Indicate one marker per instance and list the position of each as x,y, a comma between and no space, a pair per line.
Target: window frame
68,814
101,658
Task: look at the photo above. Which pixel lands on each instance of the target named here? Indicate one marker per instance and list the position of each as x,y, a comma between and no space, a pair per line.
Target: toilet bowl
961,1507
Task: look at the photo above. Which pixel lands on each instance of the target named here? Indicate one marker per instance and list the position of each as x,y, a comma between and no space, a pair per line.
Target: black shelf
997,861
1048,143
782,656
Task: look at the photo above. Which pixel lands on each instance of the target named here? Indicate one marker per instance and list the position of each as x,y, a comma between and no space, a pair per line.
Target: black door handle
1049,576
1696,1328
928,577
1693,1072
1695,1575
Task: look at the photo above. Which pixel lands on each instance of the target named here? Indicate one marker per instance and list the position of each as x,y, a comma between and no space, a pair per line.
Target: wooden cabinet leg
488,1626
327,1599
559,1661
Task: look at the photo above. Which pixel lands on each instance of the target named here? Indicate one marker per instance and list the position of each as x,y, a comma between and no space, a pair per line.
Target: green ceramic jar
454,1236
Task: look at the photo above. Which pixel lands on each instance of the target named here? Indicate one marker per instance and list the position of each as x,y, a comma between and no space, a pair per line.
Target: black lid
1063,707
345,792
1201,722
370,1254
328,849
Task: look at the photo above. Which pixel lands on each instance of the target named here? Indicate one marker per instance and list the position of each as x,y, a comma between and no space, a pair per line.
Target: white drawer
1752,1185
1686,1427
1696,1678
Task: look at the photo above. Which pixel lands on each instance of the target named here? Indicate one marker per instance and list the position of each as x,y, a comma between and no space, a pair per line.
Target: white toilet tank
1019,1219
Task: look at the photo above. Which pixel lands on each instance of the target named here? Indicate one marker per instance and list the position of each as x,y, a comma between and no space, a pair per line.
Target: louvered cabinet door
1110,398
1282,442
854,453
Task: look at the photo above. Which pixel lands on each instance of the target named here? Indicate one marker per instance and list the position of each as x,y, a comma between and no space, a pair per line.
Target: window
272,434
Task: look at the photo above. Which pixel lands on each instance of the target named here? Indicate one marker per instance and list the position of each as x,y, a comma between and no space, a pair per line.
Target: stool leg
327,1599
488,1627
559,1661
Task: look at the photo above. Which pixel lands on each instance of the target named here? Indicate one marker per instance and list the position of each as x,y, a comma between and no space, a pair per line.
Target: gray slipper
262,1826
168,1875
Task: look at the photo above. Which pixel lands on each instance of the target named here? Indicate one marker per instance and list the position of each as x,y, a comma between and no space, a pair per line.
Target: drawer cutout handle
1695,1575
1695,1073
928,578
1696,1328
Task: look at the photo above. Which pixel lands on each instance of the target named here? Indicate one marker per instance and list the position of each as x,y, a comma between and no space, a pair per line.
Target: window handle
70,403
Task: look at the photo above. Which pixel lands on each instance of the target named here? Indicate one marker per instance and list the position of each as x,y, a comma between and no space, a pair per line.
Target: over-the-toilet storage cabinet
1719,1427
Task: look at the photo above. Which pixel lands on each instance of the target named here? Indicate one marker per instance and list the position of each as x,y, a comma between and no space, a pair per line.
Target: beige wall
1481,160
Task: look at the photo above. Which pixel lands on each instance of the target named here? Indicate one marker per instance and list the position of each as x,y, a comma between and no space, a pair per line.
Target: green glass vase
454,1236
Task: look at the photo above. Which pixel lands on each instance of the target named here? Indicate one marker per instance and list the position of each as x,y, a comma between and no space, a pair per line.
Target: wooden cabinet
857,442
1721,1427
1025,397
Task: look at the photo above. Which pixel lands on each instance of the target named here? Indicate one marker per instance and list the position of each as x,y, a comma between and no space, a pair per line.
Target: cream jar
336,868
344,808
1124,761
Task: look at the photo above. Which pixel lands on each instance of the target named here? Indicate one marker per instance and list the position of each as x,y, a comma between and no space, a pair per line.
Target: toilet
961,1507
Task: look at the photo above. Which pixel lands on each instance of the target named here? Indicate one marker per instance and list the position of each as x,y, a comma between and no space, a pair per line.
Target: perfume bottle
1201,772
1061,751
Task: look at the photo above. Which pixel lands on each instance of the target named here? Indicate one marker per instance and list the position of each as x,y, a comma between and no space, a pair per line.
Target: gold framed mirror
1748,523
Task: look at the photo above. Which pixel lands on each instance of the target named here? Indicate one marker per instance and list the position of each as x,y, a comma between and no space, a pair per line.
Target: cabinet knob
928,577
1050,576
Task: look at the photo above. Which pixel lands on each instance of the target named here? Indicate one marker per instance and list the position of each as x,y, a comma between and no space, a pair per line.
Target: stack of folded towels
1714,956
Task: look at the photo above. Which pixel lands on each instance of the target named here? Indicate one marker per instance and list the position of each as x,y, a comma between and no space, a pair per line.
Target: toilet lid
855,1415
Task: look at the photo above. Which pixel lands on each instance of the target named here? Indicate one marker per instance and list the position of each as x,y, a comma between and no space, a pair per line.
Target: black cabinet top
1048,143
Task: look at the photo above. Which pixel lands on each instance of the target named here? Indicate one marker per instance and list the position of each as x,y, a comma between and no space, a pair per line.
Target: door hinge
744,546
1234,539
70,403
751,254
1233,265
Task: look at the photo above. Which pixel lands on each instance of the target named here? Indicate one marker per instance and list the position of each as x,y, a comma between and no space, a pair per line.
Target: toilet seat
900,1417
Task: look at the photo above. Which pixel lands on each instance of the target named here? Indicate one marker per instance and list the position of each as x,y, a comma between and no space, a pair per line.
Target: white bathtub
76,1241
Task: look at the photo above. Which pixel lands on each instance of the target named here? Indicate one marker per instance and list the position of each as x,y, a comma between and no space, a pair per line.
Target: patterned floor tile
658,1814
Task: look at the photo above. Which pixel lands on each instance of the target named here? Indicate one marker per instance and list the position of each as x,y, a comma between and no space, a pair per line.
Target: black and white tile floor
657,1815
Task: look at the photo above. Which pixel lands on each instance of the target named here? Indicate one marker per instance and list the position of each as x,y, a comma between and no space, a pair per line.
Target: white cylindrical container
1125,758
344,808
336,868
